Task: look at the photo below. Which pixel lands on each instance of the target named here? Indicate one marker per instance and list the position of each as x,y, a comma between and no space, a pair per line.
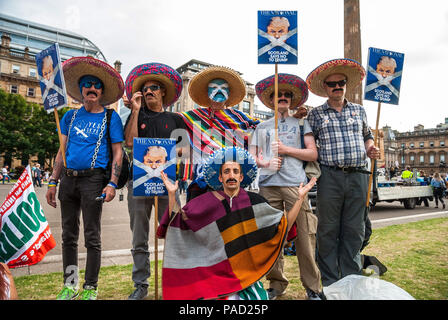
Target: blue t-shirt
84,136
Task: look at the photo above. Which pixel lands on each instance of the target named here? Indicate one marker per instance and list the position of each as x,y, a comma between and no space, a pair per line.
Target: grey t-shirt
291,173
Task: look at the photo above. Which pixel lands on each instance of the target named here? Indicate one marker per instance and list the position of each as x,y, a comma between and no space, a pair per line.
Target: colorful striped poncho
208,128
212,250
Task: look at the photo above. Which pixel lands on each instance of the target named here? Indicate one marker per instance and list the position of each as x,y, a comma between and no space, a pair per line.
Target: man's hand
170,187
373,152
51,196
110,193
126,102
279,148
304,189
275,163
300,113
136,101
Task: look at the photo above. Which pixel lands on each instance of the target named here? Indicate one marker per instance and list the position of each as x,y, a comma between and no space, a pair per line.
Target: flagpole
373,160
276,101
156,248
61,144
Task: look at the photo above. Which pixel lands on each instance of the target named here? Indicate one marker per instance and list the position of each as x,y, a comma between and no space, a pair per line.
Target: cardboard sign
52,85
384,76
151,156
25,236
277,37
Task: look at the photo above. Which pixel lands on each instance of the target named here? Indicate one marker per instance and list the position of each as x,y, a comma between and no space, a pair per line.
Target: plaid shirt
340,136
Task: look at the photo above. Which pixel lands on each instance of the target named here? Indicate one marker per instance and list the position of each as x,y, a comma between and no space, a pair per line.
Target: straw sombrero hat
198,88
77,67
170,78
354,72
289,82
219,157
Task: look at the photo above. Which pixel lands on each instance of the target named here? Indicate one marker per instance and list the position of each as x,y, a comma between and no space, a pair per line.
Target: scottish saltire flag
25,236
213,250
51,77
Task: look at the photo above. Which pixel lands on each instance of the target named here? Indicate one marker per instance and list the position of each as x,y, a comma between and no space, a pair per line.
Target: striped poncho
213,250
212,130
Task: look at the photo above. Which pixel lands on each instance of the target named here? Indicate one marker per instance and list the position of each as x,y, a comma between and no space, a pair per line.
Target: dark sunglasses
287,95
333,84
89,84
153,87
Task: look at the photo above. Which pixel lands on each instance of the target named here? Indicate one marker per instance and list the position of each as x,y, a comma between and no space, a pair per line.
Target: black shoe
273,293
315,296
140,293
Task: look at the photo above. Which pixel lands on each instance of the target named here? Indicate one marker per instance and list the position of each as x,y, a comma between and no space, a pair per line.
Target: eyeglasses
89,84
333,84
287,95
153,87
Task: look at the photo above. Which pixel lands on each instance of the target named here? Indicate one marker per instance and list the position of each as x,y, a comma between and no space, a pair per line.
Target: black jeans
78,194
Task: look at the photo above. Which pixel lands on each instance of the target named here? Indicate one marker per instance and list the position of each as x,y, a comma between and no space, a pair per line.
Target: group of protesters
224,240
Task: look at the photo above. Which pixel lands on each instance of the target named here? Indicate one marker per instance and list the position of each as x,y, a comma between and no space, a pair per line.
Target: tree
26,129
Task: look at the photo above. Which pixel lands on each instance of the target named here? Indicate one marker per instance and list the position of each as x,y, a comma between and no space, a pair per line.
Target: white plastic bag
356,287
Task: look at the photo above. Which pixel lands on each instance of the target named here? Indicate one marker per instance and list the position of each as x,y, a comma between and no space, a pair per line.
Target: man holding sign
150,88
85,141
345,141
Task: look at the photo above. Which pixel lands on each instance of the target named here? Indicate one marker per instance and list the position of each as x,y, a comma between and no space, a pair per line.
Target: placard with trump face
277,37
151,157
384,73
51,78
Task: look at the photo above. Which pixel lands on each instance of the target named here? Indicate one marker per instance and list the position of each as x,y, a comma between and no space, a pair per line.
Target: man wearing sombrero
221,243
85,134
215,124
345,141
282,172
150,88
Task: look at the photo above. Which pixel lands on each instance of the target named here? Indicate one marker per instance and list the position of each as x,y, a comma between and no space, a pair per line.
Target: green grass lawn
416,255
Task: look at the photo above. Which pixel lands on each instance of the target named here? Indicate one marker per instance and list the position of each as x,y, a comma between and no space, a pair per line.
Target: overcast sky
225,33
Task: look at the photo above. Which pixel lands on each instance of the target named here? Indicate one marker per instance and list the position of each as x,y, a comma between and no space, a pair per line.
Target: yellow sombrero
77,67
198,88
354,72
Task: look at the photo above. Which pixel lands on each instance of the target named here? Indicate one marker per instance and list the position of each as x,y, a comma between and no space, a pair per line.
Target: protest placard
384,73
151,156
25,236
51,78
277,37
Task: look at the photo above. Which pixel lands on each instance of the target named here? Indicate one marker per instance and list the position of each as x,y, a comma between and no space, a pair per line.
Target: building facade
424,149
21,40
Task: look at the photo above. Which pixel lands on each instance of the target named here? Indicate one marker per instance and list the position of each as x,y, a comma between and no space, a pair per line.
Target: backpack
124,174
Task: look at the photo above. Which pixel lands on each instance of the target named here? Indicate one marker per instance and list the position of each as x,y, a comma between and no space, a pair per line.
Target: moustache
149,94
334,90
231,180
282,100
93,92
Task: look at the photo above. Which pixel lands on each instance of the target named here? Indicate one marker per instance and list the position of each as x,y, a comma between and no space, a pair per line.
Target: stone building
21,40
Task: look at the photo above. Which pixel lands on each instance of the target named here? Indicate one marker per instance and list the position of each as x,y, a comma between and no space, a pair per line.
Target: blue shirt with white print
84,135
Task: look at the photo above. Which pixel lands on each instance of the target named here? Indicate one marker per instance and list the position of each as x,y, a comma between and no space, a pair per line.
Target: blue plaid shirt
340,136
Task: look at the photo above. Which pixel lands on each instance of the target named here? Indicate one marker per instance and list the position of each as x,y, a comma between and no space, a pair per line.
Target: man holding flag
84,184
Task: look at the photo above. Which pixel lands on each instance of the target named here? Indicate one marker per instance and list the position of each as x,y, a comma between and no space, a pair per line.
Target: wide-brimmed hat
352,69
167,76
236,154
289,82
77,67
198,88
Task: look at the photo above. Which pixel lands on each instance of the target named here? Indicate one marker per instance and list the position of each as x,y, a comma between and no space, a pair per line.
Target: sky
225,33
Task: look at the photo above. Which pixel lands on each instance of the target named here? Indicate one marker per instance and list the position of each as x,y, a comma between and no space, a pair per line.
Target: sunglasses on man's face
153,87
89,84
333,84
287,95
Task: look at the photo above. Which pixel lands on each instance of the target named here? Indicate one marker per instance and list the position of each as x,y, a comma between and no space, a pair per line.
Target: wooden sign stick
61,145
156,248
276,102
372,168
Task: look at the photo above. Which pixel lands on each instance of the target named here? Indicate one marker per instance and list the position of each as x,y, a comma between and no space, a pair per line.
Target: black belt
348,169
83,173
